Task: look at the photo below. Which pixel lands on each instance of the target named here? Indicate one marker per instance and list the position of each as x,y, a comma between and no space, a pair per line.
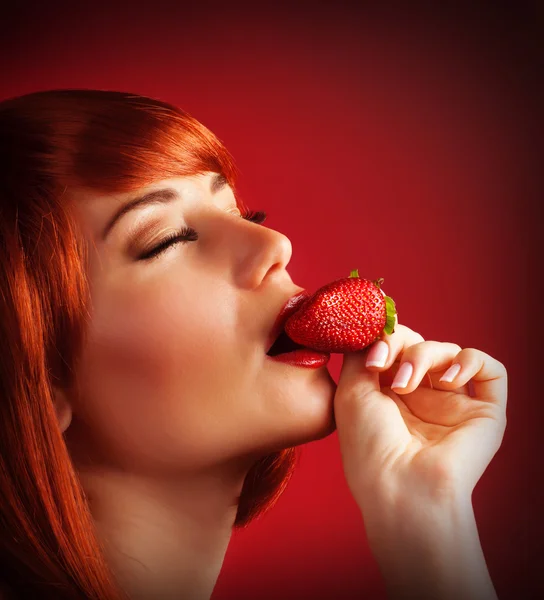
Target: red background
404,145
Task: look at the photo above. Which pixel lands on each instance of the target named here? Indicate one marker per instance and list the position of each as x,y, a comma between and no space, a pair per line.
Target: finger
420,359
488,376
360,376
385,351
354,374
384,354
387,377
368,422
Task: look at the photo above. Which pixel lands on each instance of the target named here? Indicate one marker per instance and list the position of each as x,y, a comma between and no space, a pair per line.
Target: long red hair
50,141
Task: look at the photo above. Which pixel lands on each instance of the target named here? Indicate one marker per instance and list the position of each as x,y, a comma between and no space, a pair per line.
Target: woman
141,417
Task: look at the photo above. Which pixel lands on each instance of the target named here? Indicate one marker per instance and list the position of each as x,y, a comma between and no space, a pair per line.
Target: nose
260,253
251,253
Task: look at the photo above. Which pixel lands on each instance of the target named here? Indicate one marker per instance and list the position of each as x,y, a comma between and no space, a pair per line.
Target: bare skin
176,398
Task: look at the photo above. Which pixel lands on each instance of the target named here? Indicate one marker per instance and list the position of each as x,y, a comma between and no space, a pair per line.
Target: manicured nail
403,375
451,373
378,354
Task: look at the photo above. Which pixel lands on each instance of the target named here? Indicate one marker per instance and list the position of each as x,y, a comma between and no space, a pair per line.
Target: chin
301,411
322,431
315,420
299,438
318,413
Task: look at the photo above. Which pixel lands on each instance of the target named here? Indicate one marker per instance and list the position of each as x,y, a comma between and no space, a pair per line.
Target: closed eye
188,234
258,216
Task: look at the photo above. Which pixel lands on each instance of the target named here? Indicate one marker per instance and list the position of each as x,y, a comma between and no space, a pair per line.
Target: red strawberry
346,315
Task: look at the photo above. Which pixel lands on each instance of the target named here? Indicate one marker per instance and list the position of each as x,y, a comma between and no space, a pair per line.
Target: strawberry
346,315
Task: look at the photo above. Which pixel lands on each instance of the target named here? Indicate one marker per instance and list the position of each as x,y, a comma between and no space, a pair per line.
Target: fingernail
403,375
378,354
451,373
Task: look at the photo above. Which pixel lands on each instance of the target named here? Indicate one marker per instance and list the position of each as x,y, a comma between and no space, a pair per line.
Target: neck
165,538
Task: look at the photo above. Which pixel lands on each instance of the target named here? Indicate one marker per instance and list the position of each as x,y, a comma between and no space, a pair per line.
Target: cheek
153,370
144,339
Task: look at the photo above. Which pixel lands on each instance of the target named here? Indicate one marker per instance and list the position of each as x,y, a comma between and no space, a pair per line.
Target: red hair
49,142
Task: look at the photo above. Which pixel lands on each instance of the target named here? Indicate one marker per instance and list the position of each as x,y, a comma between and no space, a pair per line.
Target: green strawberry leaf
391,311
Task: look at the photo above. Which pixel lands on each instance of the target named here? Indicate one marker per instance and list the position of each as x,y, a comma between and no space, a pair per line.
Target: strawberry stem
378,282
354,273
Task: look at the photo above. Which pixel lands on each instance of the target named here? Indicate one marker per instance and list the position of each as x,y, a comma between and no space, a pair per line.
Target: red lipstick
288,309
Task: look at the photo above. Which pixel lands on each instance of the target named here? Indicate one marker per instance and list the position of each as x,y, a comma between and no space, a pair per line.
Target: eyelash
188,234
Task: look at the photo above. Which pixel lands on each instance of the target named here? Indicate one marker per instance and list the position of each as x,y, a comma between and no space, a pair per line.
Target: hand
431,438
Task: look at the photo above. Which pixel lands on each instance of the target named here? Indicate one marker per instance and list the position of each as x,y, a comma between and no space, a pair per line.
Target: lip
290,307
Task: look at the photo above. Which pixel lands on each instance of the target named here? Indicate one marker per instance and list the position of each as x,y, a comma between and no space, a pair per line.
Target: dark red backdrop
403,145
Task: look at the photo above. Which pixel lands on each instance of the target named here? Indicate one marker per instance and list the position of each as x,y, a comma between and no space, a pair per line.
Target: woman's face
174,374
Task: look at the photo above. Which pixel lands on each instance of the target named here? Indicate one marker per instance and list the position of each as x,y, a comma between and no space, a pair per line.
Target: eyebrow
160,196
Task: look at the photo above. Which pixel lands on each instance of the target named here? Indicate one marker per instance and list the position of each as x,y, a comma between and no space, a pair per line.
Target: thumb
354,373
369,423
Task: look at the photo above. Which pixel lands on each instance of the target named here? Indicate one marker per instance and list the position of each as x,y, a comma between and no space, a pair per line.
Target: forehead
94,209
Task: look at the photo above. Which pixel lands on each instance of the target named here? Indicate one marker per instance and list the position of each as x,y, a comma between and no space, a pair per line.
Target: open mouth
283,344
